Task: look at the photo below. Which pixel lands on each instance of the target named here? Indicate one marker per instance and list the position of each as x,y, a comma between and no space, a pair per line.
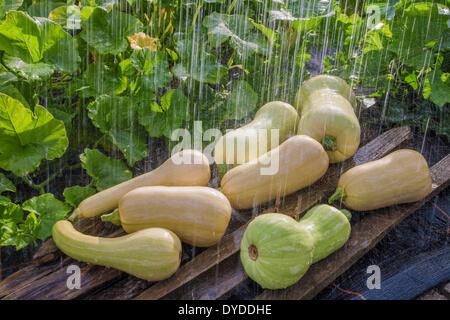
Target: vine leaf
117,117
27,137
75,194
49,210
105,171
107,31
36,47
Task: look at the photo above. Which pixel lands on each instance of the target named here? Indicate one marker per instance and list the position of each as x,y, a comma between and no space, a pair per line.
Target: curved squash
151,254
247,143
329,118
198,215
301,162
402,176
194,171
324,81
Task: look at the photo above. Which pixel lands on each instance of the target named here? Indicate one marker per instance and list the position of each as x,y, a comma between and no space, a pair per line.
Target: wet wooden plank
50,280
26,276
364,236
293,205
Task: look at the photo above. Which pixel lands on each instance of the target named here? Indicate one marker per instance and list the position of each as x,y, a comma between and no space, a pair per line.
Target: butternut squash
326,105
255,138
150,254
185,168
324,81
296,163
402,176
198,215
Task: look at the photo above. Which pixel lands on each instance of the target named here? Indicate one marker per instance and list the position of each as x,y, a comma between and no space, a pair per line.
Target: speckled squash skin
326,105
195,172
284,250
273,115
150,254
403,176
301,162
198,215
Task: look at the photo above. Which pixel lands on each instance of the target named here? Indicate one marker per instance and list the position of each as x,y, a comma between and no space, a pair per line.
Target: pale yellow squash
185,168
324,81
328,115
255,138
150,254
198,215
400,177
301,161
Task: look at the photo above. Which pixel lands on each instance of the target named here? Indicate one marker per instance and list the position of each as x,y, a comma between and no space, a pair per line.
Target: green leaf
414,29
165,119
74,195
117,117
437,88
107,31
242,100
104,80
105,172
243,36
35,47
153,68
9,5
14,231
28,137
31,71
197,63
6,184
49,211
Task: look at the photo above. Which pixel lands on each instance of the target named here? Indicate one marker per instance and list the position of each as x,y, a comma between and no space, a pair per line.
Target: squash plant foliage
84,84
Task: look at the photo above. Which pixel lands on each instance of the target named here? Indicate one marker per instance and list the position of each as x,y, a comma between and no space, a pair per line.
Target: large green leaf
107,31
197,63
117,118
415,30
242,100
105,172
153,69
49,211
164,120
6,184
244,37
102,79
36,47
437,88
74,195
28,137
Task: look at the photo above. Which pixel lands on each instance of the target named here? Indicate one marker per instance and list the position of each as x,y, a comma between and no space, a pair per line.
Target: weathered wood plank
50,280
364,236
293,205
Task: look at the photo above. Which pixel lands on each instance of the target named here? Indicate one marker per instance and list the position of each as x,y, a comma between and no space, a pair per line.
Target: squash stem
75,215
253,252
329,143
347,214
339,194
112,217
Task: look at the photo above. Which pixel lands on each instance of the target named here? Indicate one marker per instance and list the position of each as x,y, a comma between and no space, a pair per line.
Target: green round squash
276,250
